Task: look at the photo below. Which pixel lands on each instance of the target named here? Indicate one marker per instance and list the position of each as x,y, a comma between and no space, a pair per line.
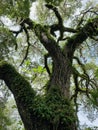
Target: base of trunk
53,112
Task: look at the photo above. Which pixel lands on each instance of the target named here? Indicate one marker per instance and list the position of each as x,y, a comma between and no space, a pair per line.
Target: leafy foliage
5,120
13,8
7,41
94,97
55,2
54,108
96,73
50,31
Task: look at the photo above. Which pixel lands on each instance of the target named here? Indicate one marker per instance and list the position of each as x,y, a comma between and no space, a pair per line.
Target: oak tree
56,107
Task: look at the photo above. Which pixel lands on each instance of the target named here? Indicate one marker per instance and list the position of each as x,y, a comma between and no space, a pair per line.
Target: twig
46,56
27,50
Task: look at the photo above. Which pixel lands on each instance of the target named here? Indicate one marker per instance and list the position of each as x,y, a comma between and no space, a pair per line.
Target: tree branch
46,64
45,38
84,82
60,27
89,29
43,35
49,6
82,18
21,89
27,50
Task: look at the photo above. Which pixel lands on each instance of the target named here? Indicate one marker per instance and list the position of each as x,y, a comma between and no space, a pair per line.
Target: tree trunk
50,112
61,75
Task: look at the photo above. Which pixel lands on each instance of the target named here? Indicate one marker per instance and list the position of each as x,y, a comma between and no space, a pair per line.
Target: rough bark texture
21,89
54,110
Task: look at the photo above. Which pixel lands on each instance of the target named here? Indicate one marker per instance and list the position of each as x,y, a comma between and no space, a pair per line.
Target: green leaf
96,73
55,2
39,69
14,106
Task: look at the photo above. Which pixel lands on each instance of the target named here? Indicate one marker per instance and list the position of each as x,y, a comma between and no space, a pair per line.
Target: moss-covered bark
53,111
21,89
49,112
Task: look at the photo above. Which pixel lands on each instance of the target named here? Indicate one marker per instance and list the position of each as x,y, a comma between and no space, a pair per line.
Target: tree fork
29,108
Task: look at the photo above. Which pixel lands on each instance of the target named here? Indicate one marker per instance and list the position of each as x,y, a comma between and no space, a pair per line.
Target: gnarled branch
59,26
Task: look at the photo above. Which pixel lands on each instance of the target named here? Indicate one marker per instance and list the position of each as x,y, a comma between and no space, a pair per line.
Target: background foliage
13,48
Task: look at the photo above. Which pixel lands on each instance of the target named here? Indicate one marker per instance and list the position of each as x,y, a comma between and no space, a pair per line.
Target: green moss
19,86
51,109
39,29
54,108
94,97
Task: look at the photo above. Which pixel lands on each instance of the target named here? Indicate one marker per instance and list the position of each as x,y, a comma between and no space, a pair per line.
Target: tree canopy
53,45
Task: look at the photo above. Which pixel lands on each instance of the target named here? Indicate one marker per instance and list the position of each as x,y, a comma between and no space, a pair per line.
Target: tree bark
53,102
22,91
61,74
53,111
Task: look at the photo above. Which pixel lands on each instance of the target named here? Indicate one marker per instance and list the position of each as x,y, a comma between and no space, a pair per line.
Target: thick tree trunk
60,79
61,75
51,112
54,110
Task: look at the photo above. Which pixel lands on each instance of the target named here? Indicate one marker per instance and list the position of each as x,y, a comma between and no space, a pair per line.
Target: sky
82,116
84,120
